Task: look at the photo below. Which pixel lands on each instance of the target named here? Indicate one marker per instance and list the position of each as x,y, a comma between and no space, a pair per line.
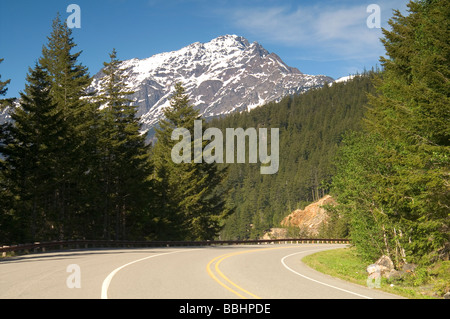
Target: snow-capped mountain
225,75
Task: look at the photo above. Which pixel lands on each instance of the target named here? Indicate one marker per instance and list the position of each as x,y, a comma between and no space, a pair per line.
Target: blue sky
328,37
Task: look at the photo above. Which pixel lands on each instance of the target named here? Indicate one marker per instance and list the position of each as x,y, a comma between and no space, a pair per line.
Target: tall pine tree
125,165
191,203
68,83
31,151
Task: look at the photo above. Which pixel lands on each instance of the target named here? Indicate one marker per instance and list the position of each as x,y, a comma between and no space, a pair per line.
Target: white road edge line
108,279
317,281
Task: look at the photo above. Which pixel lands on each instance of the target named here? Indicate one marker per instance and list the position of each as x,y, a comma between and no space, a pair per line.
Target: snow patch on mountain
345,78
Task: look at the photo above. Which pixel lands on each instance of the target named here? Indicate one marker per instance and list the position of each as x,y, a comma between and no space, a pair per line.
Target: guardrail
85,244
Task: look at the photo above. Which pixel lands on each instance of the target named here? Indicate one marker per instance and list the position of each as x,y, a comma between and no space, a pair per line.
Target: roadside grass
347,265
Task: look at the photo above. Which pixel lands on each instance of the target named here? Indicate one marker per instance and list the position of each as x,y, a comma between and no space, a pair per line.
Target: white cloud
334,31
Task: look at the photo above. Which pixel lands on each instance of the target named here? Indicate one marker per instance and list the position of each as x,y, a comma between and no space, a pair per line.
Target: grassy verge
345,264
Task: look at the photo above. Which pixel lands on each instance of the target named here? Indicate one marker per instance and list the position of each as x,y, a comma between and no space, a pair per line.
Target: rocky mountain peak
224,75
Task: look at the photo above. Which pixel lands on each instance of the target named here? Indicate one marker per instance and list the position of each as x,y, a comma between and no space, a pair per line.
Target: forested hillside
312,126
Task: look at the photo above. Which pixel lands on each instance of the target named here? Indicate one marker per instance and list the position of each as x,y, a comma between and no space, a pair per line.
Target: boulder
385,265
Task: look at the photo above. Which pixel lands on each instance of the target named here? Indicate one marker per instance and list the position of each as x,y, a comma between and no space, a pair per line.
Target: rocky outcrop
310,219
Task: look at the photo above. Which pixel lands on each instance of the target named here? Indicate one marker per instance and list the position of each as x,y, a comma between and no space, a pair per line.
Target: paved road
225,272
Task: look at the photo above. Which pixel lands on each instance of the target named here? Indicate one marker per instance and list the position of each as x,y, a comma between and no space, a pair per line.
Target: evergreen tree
190,199
31,153
124,158
357,163
68,79
68,83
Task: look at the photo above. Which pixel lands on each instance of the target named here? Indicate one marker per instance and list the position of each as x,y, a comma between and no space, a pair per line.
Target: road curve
222,272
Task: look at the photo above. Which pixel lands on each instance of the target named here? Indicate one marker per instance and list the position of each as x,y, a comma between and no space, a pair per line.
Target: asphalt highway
218,272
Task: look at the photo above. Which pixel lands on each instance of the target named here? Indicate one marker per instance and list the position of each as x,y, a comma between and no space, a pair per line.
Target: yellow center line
239,290
211,274
228,280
